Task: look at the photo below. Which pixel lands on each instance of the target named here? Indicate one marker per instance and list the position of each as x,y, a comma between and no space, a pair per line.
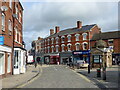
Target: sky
42,15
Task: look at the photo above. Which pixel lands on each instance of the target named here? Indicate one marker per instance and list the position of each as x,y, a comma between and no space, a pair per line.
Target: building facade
113,42
11,36
58,47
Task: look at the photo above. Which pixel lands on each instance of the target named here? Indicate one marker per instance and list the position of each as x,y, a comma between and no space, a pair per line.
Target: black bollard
88,68
104,73
99,72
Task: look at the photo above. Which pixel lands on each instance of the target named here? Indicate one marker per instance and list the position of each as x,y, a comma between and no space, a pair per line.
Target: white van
30,59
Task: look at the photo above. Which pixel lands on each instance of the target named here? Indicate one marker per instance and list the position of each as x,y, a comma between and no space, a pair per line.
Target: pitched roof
106,35
72,31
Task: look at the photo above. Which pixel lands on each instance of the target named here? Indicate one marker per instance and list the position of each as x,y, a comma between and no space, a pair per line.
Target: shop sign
1,40
81,52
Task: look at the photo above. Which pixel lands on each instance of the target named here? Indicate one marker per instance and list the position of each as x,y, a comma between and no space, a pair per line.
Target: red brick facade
9,35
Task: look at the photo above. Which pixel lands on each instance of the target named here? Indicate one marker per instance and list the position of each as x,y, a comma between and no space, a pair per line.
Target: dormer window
63,39
69,38
77,37
84,36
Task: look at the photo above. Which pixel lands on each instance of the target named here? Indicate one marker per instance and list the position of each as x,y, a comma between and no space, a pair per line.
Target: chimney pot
57,29
51,31
79,24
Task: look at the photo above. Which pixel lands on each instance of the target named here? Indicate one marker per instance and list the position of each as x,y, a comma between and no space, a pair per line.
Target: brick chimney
51,31
57,29
39,38
79,24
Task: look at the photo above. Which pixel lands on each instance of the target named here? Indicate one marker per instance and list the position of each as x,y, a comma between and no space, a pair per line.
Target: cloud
42,16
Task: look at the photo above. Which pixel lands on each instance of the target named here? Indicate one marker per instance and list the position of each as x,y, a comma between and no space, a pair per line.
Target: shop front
81,57
19,60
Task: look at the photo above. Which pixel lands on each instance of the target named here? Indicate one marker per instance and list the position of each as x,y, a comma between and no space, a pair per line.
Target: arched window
69,47
48,49
52,40
77,46
63,39
3,22
57,39
84,36
57,48
63,47
69,38
85,45
52,49
77,37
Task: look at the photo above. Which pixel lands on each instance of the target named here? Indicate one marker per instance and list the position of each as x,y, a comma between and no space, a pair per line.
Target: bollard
98,72
88,68
104,73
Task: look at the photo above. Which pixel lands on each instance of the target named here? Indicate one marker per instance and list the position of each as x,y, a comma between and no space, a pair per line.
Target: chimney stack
57,29
39,38
51,31
79,24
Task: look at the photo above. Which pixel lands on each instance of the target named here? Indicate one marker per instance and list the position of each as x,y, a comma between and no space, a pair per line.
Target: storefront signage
81,52
1,40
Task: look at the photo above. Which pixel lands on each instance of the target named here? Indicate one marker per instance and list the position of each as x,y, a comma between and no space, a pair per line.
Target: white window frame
69,38
77,37
3,22
10,27
84,46
52,40
84,36
52,49
10,4
63,47
57,39
76,46
16,32
62,39
2,71
48,49
57,48
9,63
69,49
16,12
48,41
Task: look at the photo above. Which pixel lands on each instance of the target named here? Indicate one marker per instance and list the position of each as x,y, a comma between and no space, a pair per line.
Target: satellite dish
4,8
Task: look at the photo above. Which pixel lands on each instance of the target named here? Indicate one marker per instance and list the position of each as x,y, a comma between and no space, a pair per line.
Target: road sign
1,40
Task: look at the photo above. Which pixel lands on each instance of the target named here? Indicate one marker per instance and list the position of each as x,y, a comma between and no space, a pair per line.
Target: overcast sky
40,17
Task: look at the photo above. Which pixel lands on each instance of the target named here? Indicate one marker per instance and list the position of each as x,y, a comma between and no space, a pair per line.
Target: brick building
113,42
11,51
59,46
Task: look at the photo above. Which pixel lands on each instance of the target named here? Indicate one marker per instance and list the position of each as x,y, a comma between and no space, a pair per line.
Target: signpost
1,40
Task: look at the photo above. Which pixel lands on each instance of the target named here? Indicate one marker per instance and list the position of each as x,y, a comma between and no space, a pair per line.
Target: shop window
97,59
9,63
2,63
16,56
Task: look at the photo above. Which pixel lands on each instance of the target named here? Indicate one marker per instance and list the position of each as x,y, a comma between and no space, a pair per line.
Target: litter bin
98,72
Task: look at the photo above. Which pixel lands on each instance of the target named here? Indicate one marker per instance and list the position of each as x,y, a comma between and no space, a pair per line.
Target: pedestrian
35,64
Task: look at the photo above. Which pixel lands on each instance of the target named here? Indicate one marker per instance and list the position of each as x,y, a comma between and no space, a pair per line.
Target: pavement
13,81
112,77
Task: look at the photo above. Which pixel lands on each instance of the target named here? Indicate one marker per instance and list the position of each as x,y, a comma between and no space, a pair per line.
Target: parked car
30,59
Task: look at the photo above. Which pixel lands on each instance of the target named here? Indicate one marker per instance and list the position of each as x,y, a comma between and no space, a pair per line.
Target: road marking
84,77
28,82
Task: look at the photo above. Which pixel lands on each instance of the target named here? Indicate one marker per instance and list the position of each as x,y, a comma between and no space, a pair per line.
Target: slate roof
72,31
106,35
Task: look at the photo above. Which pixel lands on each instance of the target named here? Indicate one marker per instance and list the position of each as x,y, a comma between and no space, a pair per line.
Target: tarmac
14,81
112,77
